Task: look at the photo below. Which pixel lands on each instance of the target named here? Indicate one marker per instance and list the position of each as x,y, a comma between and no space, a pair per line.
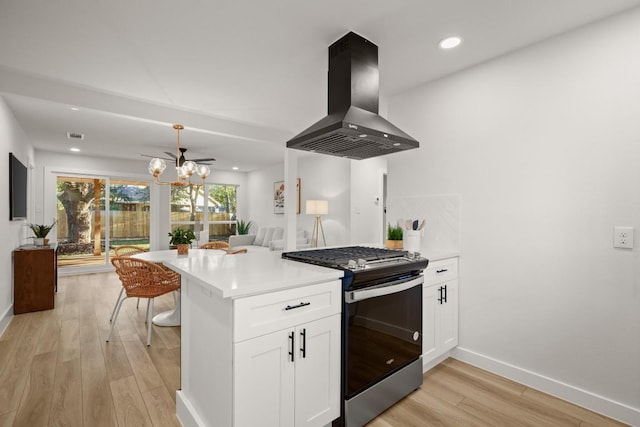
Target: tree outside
77,199
82,217
218,209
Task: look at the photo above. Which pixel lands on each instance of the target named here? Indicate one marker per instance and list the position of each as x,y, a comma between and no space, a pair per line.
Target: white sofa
266,239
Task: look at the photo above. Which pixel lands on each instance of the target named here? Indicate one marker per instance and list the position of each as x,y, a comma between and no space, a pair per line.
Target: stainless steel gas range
381,326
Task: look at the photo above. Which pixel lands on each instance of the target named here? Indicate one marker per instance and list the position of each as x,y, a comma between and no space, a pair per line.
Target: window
214,214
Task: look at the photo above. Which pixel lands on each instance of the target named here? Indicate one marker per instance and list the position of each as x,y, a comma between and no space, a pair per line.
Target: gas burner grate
341,256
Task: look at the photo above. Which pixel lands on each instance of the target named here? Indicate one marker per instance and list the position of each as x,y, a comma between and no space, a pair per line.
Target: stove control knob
362,263
351,265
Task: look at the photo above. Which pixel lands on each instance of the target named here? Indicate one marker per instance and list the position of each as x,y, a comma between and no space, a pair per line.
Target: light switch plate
623,237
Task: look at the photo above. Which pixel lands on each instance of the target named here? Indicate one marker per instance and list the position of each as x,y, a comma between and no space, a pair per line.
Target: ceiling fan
180,160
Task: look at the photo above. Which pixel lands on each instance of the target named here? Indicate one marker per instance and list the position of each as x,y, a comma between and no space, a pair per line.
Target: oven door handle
386,289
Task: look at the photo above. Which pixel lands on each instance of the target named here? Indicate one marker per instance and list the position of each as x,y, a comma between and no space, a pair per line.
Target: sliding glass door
129,213
80,233
96,213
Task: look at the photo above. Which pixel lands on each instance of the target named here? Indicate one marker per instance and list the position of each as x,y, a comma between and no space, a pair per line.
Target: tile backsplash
442,214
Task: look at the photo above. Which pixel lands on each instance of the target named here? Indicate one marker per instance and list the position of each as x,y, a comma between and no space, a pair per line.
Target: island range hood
353,128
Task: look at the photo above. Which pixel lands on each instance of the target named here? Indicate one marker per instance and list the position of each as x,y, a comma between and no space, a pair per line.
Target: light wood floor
57,370
456,394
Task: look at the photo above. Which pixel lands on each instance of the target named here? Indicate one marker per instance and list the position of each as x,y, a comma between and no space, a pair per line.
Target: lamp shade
317,207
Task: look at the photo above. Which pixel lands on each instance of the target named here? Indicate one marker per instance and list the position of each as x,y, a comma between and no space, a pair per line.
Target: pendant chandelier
184,171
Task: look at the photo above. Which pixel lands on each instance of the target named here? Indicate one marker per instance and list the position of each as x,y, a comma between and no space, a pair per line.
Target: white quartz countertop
439,255
241,275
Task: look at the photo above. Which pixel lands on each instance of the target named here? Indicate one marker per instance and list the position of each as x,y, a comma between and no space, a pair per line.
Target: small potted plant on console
40,233
394,237
182,239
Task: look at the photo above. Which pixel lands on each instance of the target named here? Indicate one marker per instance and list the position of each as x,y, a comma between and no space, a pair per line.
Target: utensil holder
412,240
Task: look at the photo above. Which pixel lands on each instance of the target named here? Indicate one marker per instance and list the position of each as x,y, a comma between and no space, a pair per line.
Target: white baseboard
586,399
5,319
186,414
430,364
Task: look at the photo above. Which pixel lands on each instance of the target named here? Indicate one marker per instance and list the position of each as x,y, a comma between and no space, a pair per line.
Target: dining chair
142,279
126,250
214,245
235,251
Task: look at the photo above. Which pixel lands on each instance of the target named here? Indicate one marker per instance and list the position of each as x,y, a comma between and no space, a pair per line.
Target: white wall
12,233
367,202
543,148
260,197
321,177
326,178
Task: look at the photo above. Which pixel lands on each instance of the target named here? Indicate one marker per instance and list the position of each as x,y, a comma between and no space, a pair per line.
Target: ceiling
242,76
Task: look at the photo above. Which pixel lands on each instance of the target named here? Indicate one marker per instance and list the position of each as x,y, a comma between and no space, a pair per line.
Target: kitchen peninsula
260,341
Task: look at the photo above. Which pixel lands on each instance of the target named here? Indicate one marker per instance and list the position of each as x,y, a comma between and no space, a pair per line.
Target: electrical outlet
623,237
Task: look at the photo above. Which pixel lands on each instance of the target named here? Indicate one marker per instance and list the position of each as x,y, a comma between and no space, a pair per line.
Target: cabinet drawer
441,271
262,314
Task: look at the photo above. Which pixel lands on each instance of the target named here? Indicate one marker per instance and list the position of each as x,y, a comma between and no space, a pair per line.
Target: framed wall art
278,197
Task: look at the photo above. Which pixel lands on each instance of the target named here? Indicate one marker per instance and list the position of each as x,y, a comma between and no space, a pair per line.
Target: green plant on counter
181,236
40,230
394,232
242,227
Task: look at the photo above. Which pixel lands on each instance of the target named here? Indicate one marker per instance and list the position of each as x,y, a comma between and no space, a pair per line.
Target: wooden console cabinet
35,278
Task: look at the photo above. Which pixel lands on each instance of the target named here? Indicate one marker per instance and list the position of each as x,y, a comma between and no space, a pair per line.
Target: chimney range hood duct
353,128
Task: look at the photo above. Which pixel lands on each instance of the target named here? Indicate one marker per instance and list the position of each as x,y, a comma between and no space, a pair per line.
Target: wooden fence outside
136,224
122,224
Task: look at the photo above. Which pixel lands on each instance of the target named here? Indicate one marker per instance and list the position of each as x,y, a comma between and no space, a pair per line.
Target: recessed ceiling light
74,108
235,168
450,42
74,149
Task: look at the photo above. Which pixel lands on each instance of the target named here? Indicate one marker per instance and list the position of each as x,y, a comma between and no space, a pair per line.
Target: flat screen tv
17,188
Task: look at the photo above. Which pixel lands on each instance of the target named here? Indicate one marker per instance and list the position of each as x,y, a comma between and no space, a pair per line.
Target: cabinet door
34,280
264,381
449,317
430,323
317,378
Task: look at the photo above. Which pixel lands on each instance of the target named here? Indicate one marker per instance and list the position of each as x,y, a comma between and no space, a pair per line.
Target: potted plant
182,239
394,237
242,227
40,232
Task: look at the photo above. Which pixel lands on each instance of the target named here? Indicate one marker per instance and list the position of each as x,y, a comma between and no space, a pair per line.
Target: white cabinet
317,382
287,358
290,377
271,359
439,311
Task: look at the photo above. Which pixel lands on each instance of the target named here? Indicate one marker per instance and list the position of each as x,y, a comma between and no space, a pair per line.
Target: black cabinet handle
441,270
445,294
291,337
292,307
303,349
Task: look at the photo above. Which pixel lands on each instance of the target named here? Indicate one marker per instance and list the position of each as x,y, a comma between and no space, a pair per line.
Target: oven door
383,331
